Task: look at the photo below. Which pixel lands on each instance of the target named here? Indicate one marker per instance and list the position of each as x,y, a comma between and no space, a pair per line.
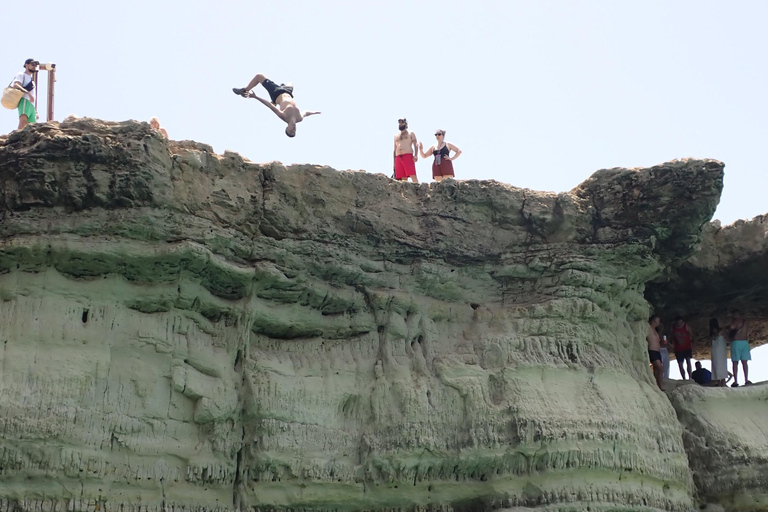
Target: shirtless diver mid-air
281,96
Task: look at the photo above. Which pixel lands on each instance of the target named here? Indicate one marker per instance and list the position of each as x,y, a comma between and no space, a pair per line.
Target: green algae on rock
184,329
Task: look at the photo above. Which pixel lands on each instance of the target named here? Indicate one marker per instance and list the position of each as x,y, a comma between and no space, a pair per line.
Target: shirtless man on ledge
282,96
406,153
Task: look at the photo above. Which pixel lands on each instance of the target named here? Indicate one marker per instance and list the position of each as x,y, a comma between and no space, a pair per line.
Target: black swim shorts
275,90
683,354
654,355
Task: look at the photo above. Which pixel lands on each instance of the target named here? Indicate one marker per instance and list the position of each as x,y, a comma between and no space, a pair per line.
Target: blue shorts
740,351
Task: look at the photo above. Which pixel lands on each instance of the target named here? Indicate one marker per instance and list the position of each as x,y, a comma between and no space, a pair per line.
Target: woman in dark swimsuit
442,167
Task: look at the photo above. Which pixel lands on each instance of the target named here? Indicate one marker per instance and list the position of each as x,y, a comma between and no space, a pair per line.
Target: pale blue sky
537,94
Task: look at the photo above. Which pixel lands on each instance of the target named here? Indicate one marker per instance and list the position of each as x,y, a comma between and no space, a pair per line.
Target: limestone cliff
183,329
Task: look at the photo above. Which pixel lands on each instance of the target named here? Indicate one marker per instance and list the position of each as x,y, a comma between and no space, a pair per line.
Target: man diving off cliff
282,96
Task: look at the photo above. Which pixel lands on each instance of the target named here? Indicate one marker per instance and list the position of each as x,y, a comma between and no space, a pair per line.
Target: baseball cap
31,61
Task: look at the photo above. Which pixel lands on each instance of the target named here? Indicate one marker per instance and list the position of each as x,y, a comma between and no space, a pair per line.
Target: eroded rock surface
183,329
728,271
726,436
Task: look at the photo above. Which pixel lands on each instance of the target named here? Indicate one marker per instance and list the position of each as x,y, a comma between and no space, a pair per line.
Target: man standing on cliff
654,347
24,82
737,334
282,96
406,153
682,340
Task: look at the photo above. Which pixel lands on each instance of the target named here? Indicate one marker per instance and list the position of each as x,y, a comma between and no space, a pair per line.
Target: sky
537,94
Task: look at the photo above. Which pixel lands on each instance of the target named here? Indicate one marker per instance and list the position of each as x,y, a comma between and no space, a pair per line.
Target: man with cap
406,153
23,82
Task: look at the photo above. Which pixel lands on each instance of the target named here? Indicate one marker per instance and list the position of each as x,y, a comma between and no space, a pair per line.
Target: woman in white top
719,353
664,354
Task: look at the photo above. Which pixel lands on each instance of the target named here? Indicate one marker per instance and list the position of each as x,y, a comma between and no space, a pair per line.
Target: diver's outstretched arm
268,104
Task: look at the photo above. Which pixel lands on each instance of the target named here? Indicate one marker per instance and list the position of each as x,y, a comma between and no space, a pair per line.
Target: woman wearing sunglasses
442,167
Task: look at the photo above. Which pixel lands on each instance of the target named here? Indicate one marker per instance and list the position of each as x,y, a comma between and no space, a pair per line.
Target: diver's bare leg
256,81
253,83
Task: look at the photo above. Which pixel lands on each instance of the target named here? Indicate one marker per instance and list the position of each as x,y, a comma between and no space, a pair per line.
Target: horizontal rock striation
183,329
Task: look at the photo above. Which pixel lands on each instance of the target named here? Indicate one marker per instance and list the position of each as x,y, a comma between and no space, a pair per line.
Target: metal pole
51,81
34,79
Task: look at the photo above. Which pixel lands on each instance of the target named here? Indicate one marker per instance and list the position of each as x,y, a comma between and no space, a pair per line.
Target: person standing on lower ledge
654,347
719,353
682,341
664,351
405,153
737,333
442,167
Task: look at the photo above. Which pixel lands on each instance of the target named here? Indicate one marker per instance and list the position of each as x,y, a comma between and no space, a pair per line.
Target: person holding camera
24,82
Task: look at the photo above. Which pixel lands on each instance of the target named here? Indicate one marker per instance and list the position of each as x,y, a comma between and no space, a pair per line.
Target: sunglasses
439,134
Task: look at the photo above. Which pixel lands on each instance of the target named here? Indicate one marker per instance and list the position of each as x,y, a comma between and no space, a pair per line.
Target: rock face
182,329
726,437
727,272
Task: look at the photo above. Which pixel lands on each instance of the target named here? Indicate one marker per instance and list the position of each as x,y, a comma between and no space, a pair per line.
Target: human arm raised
453,148
429,151
268,104
307,113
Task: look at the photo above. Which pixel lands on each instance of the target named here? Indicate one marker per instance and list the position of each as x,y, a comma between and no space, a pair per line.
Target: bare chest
403,145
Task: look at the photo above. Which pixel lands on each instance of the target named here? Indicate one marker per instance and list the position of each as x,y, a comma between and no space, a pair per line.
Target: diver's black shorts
275,90
654,355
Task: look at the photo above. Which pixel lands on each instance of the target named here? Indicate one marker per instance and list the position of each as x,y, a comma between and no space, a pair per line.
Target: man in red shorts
682,337
406,153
